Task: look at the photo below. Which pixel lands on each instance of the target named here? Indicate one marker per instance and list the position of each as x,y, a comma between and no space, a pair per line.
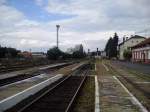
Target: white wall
149,54
129,43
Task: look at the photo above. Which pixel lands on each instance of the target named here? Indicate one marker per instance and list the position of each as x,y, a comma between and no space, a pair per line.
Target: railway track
20,77
58,98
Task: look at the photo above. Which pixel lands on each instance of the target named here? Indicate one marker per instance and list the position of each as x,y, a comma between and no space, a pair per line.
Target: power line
145,32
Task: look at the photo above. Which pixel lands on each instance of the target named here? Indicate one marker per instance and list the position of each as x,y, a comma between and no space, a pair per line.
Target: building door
143,56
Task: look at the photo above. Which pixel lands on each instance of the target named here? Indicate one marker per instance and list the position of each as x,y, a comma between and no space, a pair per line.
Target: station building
128,43
141,52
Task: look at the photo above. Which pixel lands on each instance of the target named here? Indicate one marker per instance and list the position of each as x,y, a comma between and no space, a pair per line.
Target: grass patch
85,100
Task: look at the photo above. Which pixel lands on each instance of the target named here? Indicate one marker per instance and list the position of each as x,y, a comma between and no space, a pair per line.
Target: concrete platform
114,95
23,90
11,89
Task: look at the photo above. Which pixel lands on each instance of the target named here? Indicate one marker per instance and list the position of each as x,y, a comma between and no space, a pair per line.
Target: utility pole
88,52
57,26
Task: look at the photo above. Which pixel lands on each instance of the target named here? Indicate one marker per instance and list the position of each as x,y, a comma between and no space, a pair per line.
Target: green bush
54,53
127,54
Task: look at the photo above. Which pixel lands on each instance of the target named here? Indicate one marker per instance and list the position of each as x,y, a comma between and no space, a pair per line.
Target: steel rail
77,91
22,109
49,90
19,78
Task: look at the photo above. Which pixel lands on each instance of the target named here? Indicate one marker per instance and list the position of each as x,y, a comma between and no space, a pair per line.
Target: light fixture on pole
57,26
97,51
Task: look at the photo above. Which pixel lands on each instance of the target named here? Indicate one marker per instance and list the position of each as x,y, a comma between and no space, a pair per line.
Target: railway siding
28,71
56,98
11,96
12,79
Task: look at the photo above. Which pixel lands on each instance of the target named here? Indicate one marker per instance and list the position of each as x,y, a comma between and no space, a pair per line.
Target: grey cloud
93,19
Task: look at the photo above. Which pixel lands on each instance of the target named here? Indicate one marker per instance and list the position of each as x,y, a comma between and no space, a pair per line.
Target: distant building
38,55
103,54
25,54
76,48
70,50
29,55
128,43
79,48
96,54
141,52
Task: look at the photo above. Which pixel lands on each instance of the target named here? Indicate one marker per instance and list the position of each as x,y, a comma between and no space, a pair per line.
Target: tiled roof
135,36
143,43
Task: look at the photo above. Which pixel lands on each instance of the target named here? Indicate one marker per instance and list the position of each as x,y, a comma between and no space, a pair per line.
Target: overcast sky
31,24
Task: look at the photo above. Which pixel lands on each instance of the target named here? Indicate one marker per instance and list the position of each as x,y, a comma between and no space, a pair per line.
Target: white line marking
143,82
105,66
19,72
134,100
128,76
76,67
29,88
97,104
95,67
50,66
24,80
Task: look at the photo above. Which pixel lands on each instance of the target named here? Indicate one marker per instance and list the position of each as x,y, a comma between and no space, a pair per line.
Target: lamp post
97,51
57,26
